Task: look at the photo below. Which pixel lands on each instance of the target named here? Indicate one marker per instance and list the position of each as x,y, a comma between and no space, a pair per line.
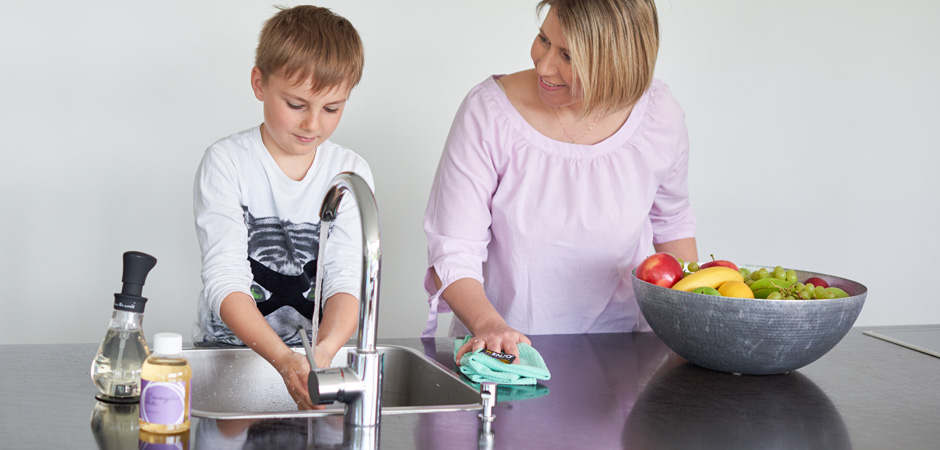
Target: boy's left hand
295,370
322,357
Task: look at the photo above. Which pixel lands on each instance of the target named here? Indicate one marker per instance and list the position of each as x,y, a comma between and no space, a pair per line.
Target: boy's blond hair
613,46
310,43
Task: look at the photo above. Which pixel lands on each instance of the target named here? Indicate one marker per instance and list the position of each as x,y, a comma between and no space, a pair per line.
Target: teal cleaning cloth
509,392
480,367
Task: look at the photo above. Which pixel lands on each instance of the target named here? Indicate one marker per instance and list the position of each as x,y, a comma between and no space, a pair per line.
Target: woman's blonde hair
310,43
613,46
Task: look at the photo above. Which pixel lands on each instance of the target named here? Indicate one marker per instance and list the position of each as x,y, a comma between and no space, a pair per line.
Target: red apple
661,269
719,262
816,282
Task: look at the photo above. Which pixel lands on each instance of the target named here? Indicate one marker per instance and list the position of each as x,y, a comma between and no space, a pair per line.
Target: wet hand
322,357
295,369
503,339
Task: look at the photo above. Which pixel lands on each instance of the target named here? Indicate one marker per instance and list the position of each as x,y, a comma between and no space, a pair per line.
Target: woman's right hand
468,301
499,338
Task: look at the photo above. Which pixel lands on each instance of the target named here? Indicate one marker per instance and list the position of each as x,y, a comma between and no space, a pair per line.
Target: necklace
565,130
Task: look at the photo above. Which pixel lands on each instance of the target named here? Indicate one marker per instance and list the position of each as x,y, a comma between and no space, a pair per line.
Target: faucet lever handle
313,387
313,383
308,350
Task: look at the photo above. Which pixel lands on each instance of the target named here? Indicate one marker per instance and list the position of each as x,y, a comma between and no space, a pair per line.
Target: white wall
813,127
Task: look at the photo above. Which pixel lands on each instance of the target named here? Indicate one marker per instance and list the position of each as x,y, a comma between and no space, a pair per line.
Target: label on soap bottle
163,402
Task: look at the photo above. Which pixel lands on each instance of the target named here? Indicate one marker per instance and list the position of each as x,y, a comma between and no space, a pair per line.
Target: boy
257,198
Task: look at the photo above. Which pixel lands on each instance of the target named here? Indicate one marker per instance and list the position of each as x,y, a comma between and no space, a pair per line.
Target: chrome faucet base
365,409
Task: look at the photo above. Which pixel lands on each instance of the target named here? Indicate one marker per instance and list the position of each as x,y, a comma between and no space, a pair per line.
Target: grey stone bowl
750,336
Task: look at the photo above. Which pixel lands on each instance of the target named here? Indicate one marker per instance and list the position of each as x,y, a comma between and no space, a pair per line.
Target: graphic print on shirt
283,262
283,259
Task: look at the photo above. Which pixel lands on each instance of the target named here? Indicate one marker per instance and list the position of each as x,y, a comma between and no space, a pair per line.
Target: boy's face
296,120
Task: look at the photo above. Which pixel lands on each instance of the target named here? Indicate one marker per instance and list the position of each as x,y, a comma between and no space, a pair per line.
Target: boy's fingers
302,403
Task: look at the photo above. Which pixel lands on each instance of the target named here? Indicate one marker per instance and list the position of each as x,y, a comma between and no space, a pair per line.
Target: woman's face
553,65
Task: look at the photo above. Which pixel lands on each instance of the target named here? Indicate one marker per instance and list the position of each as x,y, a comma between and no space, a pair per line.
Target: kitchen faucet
359,384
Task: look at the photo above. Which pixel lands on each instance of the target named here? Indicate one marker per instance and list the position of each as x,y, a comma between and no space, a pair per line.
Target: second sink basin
238,384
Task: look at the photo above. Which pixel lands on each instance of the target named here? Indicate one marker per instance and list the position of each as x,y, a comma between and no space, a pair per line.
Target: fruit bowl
750,336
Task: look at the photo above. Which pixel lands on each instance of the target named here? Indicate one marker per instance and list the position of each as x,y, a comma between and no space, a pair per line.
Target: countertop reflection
691,407
606,391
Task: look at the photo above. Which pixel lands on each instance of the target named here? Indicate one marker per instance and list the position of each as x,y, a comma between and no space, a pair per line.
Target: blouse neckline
613,142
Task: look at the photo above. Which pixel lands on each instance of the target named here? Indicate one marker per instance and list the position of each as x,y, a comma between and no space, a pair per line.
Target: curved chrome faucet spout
359,385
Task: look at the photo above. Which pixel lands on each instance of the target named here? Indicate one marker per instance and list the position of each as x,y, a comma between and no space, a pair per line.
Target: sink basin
236,383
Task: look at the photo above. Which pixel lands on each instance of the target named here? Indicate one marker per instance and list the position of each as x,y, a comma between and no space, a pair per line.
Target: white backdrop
813,127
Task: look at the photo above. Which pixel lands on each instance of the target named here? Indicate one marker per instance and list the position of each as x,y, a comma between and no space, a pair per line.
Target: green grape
763,273
836,292
775,296
806,294
810,286
693,266
818,290
744,272
789,297
748,281
791,276
828,295
681,262
799,286
755,275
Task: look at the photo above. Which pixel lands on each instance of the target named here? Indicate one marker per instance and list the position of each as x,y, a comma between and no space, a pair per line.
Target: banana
711,277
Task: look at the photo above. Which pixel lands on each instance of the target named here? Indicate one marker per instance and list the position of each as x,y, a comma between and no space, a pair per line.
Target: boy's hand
295,369
322,357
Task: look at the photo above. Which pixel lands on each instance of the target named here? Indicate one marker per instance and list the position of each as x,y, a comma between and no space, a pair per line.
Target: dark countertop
606,391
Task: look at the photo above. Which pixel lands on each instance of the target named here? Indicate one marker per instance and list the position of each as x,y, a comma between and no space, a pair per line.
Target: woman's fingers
504,341
472,345
464,349
512,349
525,340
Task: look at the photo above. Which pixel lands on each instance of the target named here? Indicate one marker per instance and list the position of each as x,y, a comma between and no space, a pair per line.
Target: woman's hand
498,338
468,301
295,369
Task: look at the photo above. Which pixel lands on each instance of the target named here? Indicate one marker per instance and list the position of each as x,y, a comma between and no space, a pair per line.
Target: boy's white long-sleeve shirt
259,234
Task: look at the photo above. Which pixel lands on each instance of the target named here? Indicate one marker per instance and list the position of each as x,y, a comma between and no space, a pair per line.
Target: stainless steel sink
237,383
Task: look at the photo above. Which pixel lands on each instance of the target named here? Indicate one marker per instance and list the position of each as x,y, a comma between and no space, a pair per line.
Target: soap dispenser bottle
116,368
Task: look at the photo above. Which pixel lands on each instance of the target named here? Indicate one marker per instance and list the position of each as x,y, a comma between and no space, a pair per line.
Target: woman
557,181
